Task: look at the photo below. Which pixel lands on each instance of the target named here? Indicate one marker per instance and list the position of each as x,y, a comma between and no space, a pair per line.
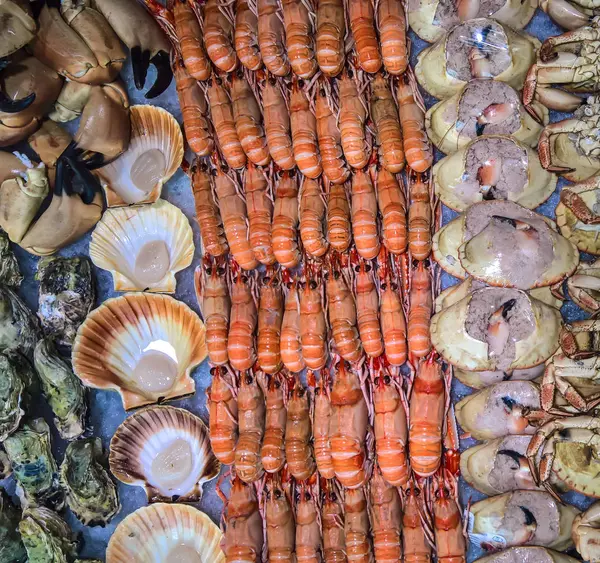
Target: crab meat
478,48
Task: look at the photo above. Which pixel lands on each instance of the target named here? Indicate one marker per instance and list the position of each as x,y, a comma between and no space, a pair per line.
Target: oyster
155,153
9,267
33,466
143,345
143,247
164,533
167,451
91,493
496,329
47,537
17,376
66,296
19,330
504,244
12,549
62,389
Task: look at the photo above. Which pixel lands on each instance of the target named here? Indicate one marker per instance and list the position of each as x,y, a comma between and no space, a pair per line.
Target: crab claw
498,328
164,74
8,105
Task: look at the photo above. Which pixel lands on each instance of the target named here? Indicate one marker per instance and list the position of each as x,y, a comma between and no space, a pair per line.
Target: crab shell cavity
143,345
493,167
498,329
165,533
143,247
154,154
167,451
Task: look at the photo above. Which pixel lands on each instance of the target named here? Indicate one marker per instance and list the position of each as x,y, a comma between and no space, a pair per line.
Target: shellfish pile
322,256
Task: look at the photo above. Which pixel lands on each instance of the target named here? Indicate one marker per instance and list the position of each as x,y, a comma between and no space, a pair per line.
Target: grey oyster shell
9,267
34,468
17,377
19,329
66,296
47,537
12,549
91,493
62,388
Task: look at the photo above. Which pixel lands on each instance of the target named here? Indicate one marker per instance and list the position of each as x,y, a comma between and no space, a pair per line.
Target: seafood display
351,284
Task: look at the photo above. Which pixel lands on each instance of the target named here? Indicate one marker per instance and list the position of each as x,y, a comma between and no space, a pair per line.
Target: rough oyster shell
143,247
161,533
9,267
167,451
584,286
91,493
17,376
66,296
33,466
519,50
459,255
454,184
155,153
63,391
448,133
450,337
12,549
19,330
586,236
47,537
143,345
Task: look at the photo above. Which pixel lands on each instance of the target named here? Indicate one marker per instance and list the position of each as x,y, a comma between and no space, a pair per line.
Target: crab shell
458,256
485,415
450,338
423,21
164,434
586,533
576,464
435,78
142,345
125,234
584,235
17,26
480,462
446,133
166,532
528,553
450,172
487,517
11,167
584,286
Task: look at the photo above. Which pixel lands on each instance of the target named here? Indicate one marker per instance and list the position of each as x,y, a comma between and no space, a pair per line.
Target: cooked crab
569,60
493,167
584,286
478,48
12,549
528,553
66,296
91,493
17,26
571,14
496,329
504,244
34,466
577,214
521,518
47,537
430,19
481,107
62,389
569,448
586,533
572,147
19,330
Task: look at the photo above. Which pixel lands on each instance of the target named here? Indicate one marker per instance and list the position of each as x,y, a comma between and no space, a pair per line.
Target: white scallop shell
122,233
154,131
153,432
124,331
163,533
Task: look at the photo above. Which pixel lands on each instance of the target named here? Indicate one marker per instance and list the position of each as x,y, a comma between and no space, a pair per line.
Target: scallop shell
154,132
164,533
123,233
167,434
138,332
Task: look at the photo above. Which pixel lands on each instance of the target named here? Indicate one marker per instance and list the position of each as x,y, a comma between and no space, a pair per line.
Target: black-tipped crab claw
8,105
144,38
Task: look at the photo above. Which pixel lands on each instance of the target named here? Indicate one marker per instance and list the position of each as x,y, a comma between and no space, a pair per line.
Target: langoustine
299,40
304,133
270,318
284,230
271,38
290,343
260,214
244,532
219,36
321,418
298,432
331,31
312,218
386,520
357,526
364,215
281,527
246,34
313,327
277,124
222,416
241,340
272,453
367,310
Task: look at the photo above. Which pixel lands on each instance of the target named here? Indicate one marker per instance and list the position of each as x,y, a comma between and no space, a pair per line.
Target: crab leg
545,151
565,14
538,86
569,41
583,281
579,208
